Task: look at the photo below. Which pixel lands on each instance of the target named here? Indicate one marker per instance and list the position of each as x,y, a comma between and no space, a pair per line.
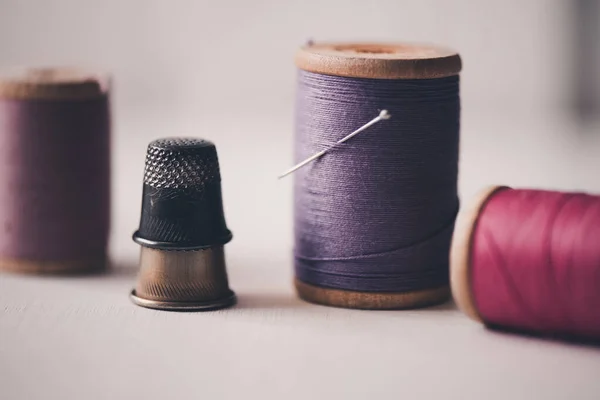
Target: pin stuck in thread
384,114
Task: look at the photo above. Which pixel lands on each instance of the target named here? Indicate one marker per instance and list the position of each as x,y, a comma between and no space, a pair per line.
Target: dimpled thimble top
182,202
181,163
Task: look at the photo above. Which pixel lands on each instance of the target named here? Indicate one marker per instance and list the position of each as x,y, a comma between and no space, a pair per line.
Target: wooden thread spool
376,61
55,177
528,261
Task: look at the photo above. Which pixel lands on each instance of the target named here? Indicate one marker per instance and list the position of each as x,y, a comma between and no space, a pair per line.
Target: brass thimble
182,229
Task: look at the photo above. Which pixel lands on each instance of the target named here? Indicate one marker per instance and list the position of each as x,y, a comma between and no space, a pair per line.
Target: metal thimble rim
183,305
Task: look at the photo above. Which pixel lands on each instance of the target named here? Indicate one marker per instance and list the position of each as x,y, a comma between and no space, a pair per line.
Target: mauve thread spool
54,171
529,261
418,85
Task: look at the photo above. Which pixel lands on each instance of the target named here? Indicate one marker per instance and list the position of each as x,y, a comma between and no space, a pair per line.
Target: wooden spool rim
45,267
379,60
371,300
52,83
460,251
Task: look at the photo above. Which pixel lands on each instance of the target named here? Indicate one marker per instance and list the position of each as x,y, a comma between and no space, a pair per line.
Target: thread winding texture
535,262
376,213
54,181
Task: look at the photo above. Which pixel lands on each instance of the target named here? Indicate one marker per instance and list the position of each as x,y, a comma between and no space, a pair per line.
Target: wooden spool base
53,267
371,300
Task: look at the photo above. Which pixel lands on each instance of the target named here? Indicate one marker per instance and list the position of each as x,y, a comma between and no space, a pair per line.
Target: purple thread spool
54,171
374,217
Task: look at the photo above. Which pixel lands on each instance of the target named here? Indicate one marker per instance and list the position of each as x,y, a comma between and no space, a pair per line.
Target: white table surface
81,337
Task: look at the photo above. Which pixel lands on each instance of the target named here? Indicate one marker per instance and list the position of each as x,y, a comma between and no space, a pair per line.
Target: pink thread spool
529,261
54,171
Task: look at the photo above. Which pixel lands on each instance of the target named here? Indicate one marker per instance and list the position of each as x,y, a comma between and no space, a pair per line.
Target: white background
224,71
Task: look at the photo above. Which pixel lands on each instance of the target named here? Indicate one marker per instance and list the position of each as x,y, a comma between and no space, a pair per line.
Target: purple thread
54,179
376,213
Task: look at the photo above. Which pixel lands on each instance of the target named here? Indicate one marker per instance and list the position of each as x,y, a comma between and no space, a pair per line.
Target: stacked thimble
182,229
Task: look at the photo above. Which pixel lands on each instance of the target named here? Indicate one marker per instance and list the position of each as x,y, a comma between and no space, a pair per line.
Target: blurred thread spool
182,229
529,260
54,171
368,264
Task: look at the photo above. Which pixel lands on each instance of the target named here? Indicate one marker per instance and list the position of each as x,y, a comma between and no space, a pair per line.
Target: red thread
535,262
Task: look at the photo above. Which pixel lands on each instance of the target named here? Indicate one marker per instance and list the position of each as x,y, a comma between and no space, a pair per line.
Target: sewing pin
384,114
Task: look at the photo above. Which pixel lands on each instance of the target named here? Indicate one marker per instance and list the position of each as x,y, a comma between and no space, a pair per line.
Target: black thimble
182,229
